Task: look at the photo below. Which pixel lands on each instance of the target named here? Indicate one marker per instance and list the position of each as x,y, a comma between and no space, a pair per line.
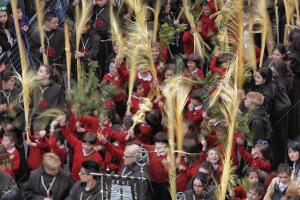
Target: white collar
87,154
198,107
136,97
147,78
11,150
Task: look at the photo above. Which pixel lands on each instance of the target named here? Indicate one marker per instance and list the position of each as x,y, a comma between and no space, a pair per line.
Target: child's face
252,178
3,17
252,195
20,14
206,10
36,134
195,102
160,146
191,65
112,69
116,48
293,155
248,102
155,53
140,90
169,74
42,73
87,147
143,70
284,178
212,156
224,65
7,142
256,153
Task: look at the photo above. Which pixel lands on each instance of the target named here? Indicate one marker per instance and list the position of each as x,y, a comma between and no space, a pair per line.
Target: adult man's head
130,154
51,21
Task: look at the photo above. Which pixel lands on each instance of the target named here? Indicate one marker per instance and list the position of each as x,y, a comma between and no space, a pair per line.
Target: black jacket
8,188
78,191
190,195
260,125
135,171
34,189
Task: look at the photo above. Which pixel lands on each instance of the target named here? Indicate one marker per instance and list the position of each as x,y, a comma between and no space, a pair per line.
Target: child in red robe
9,143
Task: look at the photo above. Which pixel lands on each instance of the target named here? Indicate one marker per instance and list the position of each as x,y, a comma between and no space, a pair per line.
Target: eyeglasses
83,173
126,156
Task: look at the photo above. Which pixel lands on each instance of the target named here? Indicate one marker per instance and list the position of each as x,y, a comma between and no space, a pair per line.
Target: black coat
53,96
8,188
294,113
34,189
78,190
135,171
190,195
260,125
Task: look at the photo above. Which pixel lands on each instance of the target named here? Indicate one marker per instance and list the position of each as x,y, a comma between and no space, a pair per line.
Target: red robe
146,82
256,163
14,154
60,151
188,43
79,157
35,156
157,170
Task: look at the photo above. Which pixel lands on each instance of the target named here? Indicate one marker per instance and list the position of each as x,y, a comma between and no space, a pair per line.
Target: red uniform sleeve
117,135
187,37
213,66
114,151
74,141
194,115
89,123
264,165
16,160
212,6
245,154
43,143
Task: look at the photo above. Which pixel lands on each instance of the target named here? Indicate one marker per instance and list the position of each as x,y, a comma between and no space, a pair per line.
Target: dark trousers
161,191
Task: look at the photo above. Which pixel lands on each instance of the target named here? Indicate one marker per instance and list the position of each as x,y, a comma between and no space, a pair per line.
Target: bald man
131,168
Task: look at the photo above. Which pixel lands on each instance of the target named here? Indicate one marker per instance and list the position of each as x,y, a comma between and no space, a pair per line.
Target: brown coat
292,191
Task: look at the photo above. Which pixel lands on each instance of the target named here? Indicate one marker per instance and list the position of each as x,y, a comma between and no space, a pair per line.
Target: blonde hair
51,160
257,99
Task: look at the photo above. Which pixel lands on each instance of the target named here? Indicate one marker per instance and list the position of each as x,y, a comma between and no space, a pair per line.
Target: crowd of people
59,158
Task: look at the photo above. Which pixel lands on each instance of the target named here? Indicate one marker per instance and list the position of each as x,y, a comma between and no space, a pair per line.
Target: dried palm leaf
156,15
86,13
116,33
25,79
68,53
40,19
199,44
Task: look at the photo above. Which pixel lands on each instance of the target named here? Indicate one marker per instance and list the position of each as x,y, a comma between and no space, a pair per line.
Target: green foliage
209,83
180,63
92,96
167,33
243,124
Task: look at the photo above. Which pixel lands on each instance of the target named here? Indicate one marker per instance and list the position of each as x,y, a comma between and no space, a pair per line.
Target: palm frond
40,19
86,13
116,33
156,15
68,53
